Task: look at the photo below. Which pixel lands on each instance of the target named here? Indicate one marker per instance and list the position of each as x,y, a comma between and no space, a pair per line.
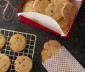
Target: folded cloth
63,61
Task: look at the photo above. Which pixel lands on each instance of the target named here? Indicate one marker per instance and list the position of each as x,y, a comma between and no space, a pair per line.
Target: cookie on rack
18,42
40,6
50,48
2,41
23,64
54,10
28,7
4,63
68,11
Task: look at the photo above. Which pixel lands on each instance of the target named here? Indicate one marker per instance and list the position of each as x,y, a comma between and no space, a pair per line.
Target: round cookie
54,10
62,2
4,63
66,29
40,5
28,7
63,23
23,64
18,42
51,47
2,41
68,11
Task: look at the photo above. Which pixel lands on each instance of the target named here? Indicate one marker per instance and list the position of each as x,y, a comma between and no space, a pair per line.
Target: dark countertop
75,44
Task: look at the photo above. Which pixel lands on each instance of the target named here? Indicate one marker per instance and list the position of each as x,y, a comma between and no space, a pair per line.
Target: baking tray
29,51
37,20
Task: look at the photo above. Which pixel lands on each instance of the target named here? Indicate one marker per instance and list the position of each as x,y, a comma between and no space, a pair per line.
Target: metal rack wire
29,51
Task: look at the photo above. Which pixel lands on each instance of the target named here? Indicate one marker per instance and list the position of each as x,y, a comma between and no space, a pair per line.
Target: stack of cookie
50,48
17,43
63,11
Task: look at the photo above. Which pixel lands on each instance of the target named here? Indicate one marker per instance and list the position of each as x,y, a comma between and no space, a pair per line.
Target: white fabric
63,61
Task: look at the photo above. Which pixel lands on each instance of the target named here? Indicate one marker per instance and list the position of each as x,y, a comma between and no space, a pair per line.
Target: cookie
23,64
63,23
52,44
62,2
50,48
54,10
28,7
66,29
68,11
44,55
18,42
2,41
40,6
4,63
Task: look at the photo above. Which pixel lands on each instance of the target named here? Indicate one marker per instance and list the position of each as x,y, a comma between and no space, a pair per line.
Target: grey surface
75,44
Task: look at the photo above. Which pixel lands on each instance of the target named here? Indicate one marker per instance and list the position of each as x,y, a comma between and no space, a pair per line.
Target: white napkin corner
63,61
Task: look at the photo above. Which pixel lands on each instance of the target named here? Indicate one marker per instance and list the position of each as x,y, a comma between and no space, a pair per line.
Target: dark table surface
75,44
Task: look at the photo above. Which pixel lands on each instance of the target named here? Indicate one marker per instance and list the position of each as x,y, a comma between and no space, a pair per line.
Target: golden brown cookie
4,63
23,64
54,10
50,48
52,44
40,5
68,11
28,7
66,29
62,2
63,23
2,41
44,55
18,42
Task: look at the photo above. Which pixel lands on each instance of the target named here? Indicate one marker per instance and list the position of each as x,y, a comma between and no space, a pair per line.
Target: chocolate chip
19,62
55,46
17,37
23,59
52,11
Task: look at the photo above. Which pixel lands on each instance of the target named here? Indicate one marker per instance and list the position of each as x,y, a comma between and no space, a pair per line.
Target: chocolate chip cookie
23,64
18,42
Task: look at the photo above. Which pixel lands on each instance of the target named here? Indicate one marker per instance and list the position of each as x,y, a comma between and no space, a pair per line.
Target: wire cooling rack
29,51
